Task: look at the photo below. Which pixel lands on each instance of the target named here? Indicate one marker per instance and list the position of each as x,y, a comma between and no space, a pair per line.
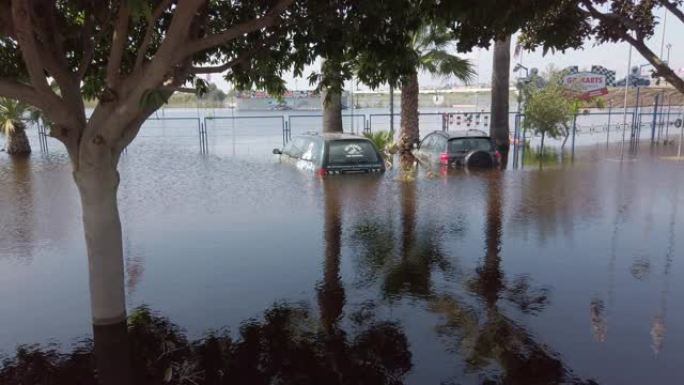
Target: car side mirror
276,151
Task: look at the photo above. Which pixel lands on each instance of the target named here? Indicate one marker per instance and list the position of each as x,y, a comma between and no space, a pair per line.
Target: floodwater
560,273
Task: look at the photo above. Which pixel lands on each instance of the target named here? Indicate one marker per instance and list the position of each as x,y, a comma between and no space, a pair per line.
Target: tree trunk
98,189
499,129
331,103
410,131
17,141
98,186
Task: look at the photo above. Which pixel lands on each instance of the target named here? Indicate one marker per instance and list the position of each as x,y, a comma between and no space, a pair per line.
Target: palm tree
499,128
430,49
11,125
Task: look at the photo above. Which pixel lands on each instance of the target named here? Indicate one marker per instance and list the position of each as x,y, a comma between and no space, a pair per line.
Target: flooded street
565,274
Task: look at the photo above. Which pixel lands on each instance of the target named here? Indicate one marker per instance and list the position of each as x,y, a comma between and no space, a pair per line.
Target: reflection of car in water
471,148
332,154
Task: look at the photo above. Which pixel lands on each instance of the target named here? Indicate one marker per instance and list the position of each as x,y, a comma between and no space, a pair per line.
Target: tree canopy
571,23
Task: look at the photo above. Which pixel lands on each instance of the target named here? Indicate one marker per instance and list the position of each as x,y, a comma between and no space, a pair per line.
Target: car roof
328,136
472,133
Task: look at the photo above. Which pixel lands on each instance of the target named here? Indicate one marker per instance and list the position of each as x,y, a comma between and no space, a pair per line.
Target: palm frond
442,63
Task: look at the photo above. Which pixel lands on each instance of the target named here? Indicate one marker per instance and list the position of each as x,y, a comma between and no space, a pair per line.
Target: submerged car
471,148
333,154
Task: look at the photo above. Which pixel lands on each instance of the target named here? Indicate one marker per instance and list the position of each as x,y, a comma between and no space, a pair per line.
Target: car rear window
346,152
470,144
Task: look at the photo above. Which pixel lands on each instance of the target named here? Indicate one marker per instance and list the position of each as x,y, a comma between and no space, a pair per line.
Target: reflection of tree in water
493,337
552,201
286,347
405,261
480,332
20,210
331,296
658,324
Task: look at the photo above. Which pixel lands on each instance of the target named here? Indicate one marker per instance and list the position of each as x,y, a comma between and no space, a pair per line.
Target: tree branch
241,59
10,88
119,38
626,22
88,46
149,32
238,30
662,69
672,7
6,24
27,43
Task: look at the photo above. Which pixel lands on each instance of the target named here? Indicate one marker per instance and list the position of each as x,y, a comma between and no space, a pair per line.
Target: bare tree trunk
17,142
410,131
98,184
499,129
332,111
331,101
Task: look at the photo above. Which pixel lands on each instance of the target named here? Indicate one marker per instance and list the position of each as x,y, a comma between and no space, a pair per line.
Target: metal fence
258,134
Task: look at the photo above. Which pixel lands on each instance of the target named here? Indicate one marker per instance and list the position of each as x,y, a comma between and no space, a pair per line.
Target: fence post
574,134
610,112
655,118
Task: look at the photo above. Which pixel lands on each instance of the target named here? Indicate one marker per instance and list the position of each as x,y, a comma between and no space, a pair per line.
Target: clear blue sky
612,56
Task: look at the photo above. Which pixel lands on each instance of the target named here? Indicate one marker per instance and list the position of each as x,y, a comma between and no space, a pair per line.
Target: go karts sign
586,84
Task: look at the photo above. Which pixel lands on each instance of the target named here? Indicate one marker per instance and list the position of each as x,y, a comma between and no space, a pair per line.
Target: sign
586,84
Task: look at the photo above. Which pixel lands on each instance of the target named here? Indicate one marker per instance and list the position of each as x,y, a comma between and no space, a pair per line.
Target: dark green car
332,154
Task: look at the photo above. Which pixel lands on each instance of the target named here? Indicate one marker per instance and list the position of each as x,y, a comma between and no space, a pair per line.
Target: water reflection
285,346
489,342
331,291
17,206
503,277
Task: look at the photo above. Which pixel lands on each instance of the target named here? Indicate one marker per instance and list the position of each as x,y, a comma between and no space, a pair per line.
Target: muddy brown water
575,269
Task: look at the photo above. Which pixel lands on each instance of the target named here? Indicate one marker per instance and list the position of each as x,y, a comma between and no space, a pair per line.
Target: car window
312,151
346,152
426,145
440,143
296,147
470,144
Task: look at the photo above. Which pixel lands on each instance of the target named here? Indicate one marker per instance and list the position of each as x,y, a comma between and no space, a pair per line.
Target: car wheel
478,159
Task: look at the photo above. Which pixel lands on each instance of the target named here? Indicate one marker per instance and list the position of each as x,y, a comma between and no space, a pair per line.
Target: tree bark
17,142
98,186
499,129
410,130
98,182
332,111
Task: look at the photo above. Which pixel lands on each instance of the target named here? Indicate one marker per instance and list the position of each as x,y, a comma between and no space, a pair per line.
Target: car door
308,155
424,148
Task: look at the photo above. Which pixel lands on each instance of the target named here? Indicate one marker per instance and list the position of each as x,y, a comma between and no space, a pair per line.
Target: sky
611,56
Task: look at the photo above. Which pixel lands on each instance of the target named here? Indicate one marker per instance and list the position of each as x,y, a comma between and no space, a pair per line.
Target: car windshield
470,144
345,152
